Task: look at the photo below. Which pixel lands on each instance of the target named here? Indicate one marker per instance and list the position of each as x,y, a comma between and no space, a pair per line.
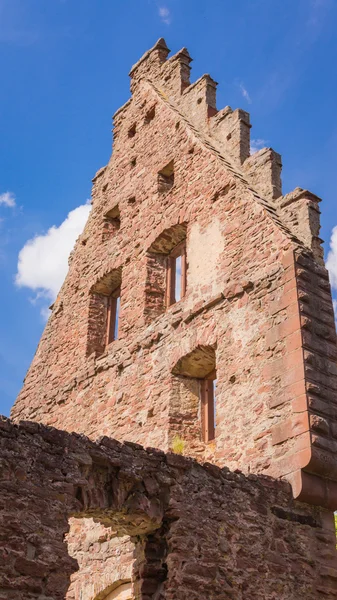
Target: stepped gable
224,132
196,319
251,308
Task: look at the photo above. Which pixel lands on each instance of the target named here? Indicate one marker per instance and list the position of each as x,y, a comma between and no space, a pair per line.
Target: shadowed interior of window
166,271
166,178
200,366
104,311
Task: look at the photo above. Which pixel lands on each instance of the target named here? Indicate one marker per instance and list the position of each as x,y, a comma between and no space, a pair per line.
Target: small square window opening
150,115
166,178
111,223
114,215
132,131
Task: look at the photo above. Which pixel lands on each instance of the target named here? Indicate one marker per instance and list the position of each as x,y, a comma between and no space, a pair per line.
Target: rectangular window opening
113,310
132,131
176,274
112,222
166,178
177,283
208,407
150,115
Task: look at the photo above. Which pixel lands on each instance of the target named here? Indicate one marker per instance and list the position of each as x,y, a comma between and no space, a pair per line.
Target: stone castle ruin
176,434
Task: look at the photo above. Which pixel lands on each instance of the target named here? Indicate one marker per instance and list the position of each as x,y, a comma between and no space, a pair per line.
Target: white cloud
45,313
331,262
334,303
331,265
165,14
43,261
7,199
257,144
317,15
245,94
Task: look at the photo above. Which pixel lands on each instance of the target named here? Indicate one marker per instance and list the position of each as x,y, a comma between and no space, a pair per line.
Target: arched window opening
123,592
200,365
116,591
104,311
166,271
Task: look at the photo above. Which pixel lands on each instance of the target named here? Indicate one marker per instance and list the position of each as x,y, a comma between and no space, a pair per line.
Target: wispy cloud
245,93
317,14
165,15
331,262
292,53
18,37
15,24
43,260
257,144
7,199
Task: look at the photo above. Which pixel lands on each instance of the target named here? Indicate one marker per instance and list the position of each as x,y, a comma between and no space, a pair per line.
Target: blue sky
64,71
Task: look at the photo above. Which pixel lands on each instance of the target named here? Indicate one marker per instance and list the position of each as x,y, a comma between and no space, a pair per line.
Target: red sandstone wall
104,560
304,348
199,531
243,295
257,297
129,392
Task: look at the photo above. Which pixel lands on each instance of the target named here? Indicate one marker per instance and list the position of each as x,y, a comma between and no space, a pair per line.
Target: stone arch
119,590
107,282
198,363
115,490
168,239
202,337
105,561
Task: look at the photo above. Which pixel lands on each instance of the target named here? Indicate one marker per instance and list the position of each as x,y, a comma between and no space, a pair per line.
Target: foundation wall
198,530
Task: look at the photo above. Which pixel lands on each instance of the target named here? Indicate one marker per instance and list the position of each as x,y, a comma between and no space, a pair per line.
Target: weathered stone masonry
256,309
257,293
199,531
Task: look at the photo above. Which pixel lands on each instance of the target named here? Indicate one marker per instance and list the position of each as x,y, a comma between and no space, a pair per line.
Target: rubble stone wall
235,273
257,308
198,530
105,560
242,291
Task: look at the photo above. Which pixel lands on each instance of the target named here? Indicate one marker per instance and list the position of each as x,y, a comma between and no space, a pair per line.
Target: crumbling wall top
233,526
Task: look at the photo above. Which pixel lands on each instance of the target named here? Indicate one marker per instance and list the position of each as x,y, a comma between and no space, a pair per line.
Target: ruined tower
196,315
